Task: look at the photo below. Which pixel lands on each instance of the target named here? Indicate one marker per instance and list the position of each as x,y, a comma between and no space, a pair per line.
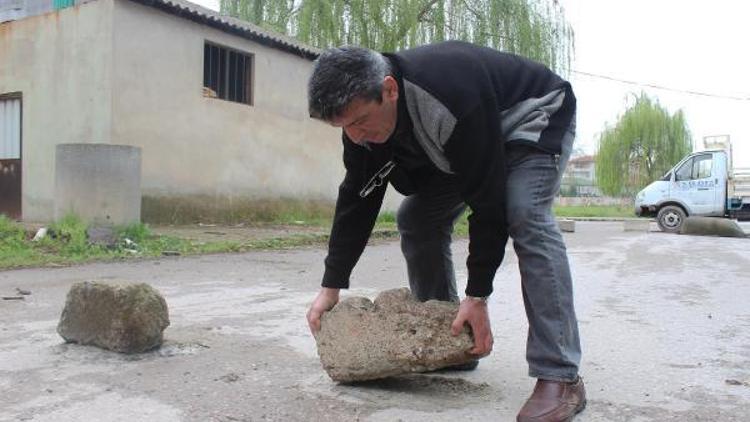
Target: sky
682,45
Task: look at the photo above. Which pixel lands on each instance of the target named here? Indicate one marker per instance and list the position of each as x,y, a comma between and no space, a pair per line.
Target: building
582,168
218,106
579,178
18,9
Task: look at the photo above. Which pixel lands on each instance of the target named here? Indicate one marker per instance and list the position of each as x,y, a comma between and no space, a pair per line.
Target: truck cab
697,185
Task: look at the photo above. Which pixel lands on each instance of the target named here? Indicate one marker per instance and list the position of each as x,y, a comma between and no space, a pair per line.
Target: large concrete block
127,318
100,183
361,340
565,225
639,225
711,226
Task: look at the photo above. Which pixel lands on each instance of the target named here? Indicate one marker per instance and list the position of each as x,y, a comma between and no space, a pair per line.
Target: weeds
11,234
67,241
137,232
68,236
597,211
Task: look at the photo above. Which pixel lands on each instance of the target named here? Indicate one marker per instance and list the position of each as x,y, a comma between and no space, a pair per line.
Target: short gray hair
341,75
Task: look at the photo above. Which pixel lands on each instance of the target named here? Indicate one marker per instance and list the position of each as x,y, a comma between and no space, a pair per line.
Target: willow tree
533,28
645,143
270,14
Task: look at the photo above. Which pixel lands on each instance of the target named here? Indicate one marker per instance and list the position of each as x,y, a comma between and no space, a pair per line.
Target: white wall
61,63
195,145
198,145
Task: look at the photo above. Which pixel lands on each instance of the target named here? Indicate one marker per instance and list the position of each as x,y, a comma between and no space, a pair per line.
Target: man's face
368,120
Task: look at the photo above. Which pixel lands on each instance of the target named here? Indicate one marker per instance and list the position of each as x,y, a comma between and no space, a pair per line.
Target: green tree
532,28
645,143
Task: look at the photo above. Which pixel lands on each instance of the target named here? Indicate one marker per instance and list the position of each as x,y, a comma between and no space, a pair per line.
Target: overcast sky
683,45
686,45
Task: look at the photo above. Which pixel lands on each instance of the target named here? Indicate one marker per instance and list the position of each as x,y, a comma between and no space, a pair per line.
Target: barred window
227,74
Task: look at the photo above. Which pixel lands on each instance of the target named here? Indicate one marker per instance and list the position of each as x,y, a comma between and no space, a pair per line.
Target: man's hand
474,312
325,300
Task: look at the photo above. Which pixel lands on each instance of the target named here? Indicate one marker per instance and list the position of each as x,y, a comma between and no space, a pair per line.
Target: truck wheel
670,218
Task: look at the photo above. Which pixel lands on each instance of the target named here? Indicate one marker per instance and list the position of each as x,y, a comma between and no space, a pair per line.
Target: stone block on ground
127,318
363,340
565,225
711,226
640,225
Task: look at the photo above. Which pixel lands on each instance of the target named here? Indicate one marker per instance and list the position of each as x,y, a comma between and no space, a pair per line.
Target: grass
387,221
67,241
609,211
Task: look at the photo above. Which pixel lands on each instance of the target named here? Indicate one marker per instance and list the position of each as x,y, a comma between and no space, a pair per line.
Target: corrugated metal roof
208,17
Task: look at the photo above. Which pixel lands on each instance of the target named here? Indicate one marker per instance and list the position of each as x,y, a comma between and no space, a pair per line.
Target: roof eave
216,21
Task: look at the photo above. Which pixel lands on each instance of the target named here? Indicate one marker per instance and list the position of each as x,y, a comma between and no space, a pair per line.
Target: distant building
579,178
218,106
11,10
582,167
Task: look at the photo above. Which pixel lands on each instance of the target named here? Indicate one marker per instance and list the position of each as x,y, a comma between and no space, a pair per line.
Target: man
451,125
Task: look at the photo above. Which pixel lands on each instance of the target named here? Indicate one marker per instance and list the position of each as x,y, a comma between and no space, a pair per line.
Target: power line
665,88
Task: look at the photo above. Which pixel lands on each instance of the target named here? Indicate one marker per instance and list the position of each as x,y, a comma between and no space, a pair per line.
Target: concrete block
361,340
745,226
711,226
127,318
640,225
100,183
566,225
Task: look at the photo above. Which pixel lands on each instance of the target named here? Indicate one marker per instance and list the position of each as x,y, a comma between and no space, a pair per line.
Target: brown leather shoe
554,401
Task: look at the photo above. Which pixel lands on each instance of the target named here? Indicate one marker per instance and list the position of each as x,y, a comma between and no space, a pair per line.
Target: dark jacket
458,104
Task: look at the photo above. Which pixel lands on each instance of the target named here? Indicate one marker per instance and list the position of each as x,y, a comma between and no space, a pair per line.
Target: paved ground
238,233
664,318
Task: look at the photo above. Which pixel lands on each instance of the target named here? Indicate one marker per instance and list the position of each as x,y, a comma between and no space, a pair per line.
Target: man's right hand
325,300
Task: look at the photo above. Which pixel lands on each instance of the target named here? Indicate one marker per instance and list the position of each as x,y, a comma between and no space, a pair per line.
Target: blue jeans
425,221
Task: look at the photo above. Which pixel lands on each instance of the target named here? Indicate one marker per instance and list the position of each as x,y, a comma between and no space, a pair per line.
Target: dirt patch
425,392
431,385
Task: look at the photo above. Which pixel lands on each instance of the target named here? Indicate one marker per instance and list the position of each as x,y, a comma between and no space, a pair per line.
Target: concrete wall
19,9
61,63
195,145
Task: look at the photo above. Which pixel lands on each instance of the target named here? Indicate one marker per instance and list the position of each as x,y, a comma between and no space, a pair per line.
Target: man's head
352,88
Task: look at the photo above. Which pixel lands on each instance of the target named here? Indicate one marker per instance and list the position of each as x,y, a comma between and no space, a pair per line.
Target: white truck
704,183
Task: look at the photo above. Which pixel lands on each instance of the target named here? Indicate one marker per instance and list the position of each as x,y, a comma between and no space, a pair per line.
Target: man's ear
390,88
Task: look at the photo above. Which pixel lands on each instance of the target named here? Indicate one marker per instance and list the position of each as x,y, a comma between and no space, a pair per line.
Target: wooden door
10,156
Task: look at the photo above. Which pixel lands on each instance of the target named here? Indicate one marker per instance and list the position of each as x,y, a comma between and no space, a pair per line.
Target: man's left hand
474,312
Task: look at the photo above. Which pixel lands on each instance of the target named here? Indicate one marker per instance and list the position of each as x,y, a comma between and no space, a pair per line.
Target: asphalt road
664,319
